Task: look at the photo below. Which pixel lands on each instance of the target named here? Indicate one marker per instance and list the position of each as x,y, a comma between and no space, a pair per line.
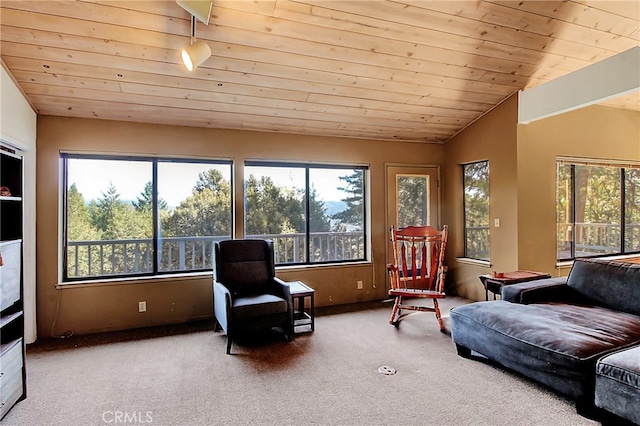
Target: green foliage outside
412,196
632,210
476,209
597,208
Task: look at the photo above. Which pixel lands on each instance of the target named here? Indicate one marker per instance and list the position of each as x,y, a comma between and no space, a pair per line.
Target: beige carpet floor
180,375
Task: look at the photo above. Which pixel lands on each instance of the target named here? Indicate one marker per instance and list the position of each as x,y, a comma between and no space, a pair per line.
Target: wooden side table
494,284
302,316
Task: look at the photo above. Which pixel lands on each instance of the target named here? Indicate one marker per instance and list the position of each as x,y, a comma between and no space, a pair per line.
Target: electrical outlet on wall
359,285
142,306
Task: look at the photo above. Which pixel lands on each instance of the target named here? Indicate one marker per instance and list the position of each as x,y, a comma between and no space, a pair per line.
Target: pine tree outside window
412,200
313,214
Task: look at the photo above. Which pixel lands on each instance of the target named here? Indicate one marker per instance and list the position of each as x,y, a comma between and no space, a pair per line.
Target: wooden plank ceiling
392,70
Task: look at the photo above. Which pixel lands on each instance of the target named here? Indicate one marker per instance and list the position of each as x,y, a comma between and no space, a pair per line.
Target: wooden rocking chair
418,270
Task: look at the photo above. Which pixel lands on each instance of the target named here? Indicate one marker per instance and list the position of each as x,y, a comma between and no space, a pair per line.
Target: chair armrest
281,287
543,290
283,290
222,305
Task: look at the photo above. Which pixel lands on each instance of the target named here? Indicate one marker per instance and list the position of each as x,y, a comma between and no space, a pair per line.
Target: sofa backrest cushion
612,284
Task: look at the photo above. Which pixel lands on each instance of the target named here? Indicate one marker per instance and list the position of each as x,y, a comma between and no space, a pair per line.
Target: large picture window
476,210
313,214
597,209
143,216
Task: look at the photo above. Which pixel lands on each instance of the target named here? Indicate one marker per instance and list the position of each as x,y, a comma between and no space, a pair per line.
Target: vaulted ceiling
392,70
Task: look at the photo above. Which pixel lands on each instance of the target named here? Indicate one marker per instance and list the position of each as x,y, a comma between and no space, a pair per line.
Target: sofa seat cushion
618,383
555,343
574,331
258,306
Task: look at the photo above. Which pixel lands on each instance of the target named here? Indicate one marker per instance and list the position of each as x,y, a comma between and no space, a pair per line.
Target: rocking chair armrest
392,268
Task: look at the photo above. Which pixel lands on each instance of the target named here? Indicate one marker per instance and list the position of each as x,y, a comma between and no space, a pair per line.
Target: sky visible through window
93,177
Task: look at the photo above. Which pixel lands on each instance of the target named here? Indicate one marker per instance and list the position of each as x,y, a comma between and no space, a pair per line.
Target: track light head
195,54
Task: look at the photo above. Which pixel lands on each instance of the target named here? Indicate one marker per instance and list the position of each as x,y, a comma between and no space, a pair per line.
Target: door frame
394,169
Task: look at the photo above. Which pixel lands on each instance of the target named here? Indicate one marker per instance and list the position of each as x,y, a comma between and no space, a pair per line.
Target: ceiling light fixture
198,51
201,9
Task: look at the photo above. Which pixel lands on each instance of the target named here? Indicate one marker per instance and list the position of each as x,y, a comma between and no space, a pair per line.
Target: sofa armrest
544,290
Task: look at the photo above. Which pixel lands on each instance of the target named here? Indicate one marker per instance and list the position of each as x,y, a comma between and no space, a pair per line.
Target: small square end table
495,284
302,316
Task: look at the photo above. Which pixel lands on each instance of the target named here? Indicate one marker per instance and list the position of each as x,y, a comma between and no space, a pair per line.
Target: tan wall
595,132
492,138
522,163
114,305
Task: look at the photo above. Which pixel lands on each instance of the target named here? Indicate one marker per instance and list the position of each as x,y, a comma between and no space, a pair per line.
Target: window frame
621,168
464,212
307,167
155,272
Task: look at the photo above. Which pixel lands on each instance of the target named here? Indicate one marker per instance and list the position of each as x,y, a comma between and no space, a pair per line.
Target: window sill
475,262
163,279
324,266
156,279
568,263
